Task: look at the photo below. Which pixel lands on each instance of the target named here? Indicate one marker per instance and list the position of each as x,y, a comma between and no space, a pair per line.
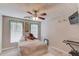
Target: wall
59,28
0,33
44,29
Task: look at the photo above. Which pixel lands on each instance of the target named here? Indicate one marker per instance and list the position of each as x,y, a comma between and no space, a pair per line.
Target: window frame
17,21
39,28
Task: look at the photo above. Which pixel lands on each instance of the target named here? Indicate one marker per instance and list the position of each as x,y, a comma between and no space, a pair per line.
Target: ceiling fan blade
29,12
43,14
41,18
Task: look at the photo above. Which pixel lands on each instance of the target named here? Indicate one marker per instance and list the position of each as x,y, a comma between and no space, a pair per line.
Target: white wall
44,29
58,29
0,33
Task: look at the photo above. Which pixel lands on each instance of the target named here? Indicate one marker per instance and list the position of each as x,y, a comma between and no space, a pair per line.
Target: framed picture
74,18
26,26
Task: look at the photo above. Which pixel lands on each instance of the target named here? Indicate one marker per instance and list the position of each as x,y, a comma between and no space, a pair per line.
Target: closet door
0,33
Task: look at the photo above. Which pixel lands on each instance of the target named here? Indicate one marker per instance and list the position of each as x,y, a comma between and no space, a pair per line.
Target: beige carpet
15,52
10,52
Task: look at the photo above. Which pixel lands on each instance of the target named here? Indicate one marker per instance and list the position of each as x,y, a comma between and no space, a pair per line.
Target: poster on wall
26,27
74,18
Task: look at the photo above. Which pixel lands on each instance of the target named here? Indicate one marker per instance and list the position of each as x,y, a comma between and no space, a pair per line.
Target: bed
33,48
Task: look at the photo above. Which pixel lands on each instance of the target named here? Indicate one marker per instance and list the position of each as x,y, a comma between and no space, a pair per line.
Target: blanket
33,48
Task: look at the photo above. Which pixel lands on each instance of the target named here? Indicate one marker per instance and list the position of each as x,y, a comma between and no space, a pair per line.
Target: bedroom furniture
33,48
46,41
74,47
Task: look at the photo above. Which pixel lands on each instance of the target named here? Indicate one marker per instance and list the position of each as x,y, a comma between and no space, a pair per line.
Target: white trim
8,48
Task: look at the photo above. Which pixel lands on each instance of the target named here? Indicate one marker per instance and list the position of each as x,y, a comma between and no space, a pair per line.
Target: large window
16,31
34,29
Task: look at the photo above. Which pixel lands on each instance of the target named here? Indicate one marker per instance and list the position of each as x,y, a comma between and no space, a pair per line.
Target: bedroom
56,26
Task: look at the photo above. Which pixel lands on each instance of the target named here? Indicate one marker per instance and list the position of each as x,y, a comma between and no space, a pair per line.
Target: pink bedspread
33,48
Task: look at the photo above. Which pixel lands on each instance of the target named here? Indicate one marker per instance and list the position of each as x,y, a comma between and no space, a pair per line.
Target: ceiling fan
35,14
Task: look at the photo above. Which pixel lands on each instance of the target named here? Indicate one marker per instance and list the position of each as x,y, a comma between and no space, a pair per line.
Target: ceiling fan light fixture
35,18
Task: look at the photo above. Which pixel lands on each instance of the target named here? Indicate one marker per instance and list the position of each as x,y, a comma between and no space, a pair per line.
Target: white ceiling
19,9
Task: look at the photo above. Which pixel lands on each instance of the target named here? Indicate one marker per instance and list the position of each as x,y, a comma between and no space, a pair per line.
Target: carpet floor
15,52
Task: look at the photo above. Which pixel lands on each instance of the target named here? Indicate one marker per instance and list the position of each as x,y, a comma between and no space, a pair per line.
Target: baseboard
8,48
